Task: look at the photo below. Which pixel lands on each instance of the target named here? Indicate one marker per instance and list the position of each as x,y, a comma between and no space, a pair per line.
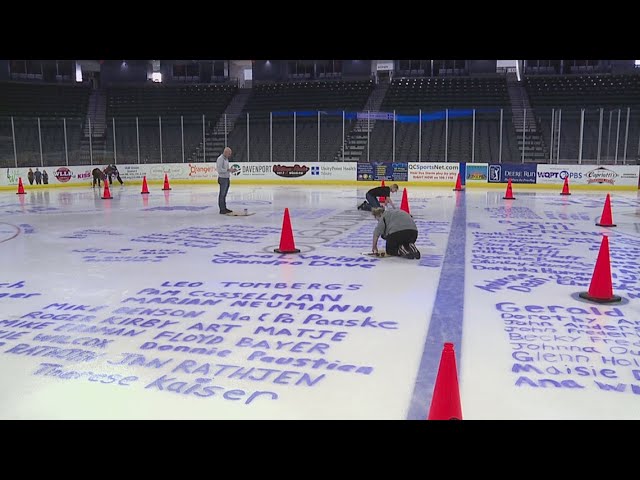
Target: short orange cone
20,187
445,403
287,243
404,203
145,188
509,193
382,199
458,184
601,288
606,219
565,187
166,183
107,193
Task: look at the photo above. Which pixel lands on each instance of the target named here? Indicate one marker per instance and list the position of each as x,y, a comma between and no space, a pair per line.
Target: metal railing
488,135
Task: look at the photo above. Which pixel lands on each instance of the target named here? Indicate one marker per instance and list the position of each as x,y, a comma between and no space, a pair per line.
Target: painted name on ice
11,294
237,258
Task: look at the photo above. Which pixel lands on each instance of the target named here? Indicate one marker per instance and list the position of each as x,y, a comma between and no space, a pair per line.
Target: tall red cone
166,183
509,193
404,203
565,187
20,187
601,288
287,243
458,184
382,199
606,220
145,188
107,193
445,403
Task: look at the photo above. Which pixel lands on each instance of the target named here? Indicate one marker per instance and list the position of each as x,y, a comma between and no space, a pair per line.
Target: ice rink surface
158,307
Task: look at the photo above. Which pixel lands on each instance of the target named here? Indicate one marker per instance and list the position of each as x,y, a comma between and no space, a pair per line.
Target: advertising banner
517,172
433,172
591,175
378,171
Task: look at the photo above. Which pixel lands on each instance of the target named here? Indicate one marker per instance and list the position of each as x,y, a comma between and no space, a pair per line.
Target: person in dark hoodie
112,171
373,194
45,177
30,177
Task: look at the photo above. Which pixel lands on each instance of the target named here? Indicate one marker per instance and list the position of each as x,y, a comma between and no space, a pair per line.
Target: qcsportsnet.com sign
434,166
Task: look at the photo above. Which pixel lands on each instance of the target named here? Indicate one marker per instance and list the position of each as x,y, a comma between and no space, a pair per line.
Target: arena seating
283,99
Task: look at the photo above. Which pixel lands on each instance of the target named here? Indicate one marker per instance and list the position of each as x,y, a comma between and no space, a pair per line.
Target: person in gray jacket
399,230
222,164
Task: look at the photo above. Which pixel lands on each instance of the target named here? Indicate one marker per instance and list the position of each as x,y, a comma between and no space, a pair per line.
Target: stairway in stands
524,121
355,141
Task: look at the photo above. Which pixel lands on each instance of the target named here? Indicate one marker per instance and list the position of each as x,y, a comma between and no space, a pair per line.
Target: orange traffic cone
404,203
20,187
606,220
509,193
145,188
601,288
445,403
458,184
107,193
382,199
565,187
287,243
166,183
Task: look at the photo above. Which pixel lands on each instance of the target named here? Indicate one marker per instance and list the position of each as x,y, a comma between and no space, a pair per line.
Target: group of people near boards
108,173
395,226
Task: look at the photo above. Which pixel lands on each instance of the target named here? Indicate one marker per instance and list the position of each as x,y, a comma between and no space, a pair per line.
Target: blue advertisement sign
517,172
378,171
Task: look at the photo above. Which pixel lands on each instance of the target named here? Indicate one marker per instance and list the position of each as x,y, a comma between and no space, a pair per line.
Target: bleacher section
43,100
169,102
285,98
571,93
51,103
432,95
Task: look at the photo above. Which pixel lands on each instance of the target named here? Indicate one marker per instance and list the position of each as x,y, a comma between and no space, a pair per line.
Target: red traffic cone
606,220
404,203
287,244
107,193
565,187
509,193
601,289
382,199
166,183
458,184
145,188
445,403
20,187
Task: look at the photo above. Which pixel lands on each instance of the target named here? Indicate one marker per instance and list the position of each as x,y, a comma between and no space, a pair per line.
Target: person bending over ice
97,176
373,194
399,230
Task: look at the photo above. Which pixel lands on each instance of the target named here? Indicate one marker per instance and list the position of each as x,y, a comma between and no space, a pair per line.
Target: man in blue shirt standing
222,163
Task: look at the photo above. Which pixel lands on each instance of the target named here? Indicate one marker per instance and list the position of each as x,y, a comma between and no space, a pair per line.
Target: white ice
67,252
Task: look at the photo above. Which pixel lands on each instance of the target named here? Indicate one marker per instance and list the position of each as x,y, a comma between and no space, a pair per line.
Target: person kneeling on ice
373,194
399,230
